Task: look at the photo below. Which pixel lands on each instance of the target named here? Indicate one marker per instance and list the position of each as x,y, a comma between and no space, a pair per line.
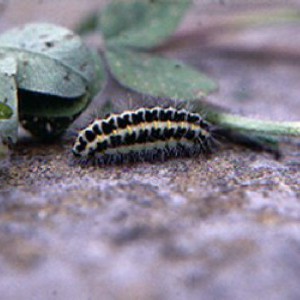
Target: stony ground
223,227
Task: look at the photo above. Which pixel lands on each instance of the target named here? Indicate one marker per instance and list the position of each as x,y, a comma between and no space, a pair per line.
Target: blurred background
250,47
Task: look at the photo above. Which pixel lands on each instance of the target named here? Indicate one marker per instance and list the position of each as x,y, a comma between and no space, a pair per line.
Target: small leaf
51,59
5,111
142,23
57,76
8,99
158,77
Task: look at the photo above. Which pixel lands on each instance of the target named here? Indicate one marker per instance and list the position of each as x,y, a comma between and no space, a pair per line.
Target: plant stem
245,124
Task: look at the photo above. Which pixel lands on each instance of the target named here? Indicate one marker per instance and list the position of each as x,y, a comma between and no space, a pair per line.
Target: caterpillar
145,134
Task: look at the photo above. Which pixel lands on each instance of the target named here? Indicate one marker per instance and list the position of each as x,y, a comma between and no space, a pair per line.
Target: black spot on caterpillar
145,134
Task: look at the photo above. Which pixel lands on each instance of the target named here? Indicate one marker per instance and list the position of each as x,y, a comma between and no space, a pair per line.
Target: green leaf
5,111
158,77
56,79
8,99
141,23
51,60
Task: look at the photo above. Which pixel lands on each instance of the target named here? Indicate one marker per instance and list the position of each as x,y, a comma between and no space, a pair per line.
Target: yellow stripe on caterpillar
144,134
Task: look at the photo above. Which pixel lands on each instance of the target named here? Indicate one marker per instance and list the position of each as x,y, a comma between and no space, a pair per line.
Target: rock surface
223,227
